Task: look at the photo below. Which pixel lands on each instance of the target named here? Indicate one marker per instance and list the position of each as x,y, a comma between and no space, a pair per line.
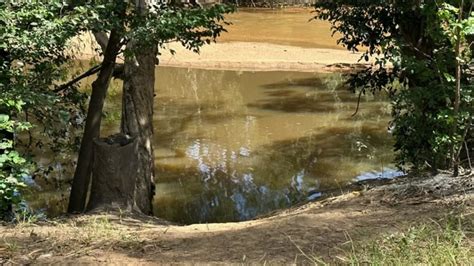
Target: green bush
13,167
423,121
427,48
33,59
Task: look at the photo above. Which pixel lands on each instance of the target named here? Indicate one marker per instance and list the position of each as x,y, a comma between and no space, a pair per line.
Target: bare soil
320,228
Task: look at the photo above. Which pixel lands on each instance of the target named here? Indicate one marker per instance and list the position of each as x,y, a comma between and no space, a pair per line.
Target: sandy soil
260,57
320,228
252,56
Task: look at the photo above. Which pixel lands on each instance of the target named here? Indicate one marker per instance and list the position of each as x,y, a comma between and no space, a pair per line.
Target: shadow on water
324,93
313,82
293,104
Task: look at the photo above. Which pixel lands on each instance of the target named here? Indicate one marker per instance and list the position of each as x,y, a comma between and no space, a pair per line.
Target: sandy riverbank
247,56
260,57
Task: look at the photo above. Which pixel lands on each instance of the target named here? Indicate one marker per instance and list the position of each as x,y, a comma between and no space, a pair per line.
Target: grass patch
432,243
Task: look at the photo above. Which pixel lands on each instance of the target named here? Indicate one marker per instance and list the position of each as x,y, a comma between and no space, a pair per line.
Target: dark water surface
230,145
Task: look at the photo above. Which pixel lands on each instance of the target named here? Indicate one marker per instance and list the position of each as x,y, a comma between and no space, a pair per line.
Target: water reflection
234,145
386,173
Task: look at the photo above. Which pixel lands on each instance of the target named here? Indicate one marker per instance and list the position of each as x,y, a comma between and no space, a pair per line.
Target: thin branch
86,74
468,156
358,103
457,98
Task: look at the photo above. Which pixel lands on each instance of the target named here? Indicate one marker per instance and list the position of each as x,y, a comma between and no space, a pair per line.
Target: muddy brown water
280,26
230,145
233,145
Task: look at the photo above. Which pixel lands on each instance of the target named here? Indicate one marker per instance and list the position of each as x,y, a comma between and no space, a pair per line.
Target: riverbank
259,40
253,56
331,230
246,56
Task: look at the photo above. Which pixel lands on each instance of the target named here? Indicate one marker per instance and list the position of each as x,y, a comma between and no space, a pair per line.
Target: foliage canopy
427,47
35,58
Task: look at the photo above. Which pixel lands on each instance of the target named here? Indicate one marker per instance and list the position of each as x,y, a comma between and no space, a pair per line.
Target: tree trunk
114,173
457,98
137,119
82,175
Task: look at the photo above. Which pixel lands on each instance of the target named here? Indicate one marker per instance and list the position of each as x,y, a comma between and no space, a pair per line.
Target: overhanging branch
86,74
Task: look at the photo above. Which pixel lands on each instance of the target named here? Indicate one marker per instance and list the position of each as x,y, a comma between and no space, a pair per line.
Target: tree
141,28
83,171
193,28
33,71
33,41
426,48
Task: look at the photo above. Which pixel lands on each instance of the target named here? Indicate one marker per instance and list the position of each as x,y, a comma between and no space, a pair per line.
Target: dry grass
409,221
447,242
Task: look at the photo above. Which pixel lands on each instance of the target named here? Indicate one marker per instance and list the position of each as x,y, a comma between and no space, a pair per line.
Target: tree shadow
294,104
314,82
307,95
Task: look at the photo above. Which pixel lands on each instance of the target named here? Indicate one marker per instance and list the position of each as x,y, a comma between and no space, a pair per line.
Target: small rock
148,248
45,256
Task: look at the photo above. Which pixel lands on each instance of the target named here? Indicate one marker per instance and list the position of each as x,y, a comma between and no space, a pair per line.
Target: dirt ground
318,228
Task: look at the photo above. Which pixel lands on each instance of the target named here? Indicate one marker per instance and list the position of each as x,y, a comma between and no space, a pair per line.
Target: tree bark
137,119
114,174
82,175
137,112
457,97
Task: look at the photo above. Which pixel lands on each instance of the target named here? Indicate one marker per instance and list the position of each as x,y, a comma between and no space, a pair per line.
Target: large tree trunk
82,175
137,119
114,174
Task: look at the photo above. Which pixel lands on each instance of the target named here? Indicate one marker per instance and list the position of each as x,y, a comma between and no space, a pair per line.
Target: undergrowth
449,242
